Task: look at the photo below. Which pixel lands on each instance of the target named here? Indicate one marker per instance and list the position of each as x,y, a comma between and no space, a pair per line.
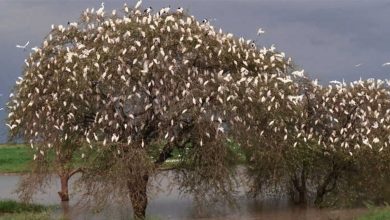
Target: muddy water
172,205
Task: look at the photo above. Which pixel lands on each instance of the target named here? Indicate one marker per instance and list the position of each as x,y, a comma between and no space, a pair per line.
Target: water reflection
169,204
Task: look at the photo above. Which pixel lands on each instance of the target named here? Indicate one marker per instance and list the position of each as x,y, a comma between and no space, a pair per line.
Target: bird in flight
357,65
24,46
386,64
138,4
260,31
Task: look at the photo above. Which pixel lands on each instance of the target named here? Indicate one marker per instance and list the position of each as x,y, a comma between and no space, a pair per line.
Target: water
172,205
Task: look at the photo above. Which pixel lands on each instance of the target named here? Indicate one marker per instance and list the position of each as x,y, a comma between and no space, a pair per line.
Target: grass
10,209
26,216
10,206
377,214
14,158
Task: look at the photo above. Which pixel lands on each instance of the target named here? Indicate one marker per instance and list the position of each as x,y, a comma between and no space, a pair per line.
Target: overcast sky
327,38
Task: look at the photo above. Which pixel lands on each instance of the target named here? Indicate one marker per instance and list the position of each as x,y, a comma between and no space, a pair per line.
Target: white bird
24,46
335,82
138,4
148,10
180,10
357,65
260,31
386,64
284,80
165,10
35,49
295,99
101,9
298,73
11,126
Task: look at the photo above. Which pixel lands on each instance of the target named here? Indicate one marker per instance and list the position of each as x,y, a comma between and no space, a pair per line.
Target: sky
326,38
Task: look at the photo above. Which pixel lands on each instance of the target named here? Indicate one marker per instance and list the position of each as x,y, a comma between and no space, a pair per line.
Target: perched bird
253,45
24,46
298,73
180,10
165,10
148,10
284,80
101,9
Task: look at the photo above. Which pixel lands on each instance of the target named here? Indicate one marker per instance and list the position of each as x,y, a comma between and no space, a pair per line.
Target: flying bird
335,82
260,31
138,4
24,46
357,65
386,64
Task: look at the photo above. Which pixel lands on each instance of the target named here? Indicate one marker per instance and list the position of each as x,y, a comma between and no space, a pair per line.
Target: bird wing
24,46
138,4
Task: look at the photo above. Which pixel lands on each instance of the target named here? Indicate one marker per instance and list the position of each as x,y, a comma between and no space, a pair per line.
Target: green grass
377,214
12,210
10,206
26,216
14,158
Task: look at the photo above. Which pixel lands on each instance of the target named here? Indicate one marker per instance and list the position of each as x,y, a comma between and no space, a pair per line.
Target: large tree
129,89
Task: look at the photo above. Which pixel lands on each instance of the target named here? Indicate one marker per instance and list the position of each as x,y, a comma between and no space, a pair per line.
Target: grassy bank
15,210
10,206
14,158
377,214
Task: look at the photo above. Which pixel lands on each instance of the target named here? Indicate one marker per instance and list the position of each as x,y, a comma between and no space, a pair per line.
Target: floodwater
173,205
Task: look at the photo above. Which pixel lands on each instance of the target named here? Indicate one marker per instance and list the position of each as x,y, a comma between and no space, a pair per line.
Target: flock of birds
76,86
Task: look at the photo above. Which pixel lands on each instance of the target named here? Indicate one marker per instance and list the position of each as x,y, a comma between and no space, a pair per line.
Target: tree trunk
138,197
327,186
299,184
64,193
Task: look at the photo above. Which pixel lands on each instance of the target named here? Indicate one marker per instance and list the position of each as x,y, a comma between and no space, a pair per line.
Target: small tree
329,129
131,89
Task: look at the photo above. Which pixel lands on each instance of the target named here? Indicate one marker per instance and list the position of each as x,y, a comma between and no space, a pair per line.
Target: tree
132,88
327,135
